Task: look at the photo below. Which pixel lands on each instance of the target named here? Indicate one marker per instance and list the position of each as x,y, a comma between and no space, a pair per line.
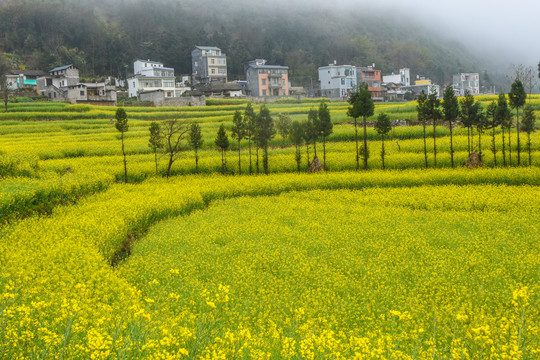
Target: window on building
263,81
212,61
196,64
213,71
82,93
222,71
264,92
169,94
342,81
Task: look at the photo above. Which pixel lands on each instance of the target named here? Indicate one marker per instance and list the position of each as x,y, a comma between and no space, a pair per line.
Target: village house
336,81
62,84
266,80
20,79
425,85
151,76
372,77
208,64
466,82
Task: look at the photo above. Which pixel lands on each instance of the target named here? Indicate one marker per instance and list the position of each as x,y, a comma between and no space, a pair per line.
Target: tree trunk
155,159
434,144
257,161
314,149
324,152
356,139
307,151
503,147
425,146
529,146
365,144
196,162
169,166
518,141
451,145
239,164
494,148
469,140
250,167
223,161
480,145
510,145
382,151
265,159
125,162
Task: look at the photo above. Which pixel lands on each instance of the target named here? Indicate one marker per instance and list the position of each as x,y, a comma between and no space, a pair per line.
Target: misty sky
514,24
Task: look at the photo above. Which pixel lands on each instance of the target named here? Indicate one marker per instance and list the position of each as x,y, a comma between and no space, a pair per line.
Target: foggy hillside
105,37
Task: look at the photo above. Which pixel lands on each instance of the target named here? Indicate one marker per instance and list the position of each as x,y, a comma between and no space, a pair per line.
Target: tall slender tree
155,142
121,124
222,143
481,124
468,117
313,121
307,127
423,115
264,132
434,113
383,127
4,83
249,118
529,119
325,127
517,98
297,137
361,105
504,119
196,141
283,126
239,132
450,107
491,123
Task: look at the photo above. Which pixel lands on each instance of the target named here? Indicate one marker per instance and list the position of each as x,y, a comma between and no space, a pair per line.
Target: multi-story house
208,64
266,80
372,77
403,78
425,85
337,80
62,84
152,76
466,82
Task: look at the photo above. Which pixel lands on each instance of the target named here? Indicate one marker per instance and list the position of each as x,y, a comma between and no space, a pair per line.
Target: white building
150,76
337,80
466,82
403,78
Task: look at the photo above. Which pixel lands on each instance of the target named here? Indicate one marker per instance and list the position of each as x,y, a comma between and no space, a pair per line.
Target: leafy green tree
469,117
313,121
423,115
434,113
121,124
297,137
196,141
249,118
504,119
155,142
361,105
481,125
529,119
517,98
383,127
264,132
450,107
283,126
173,132
325,127
491,123
222,143
307,127
239,131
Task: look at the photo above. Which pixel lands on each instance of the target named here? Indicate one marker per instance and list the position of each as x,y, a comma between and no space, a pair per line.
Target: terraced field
406,263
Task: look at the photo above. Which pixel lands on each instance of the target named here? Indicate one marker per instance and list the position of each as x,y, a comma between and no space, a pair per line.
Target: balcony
277,75
275,85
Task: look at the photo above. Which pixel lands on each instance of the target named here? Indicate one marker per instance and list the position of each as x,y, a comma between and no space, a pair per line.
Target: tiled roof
60,68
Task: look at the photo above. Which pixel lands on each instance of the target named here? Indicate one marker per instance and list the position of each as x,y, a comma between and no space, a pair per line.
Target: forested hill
102,37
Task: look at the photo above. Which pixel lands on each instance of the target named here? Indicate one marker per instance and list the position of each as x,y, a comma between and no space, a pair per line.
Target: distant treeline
105,37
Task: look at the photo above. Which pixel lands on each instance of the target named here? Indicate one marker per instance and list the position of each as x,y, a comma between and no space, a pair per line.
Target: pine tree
249,117
434,113
468,118
222,143
325,127
239,131
297,137
361,105
504,119
450,107
121,124
155,142
383,127
517,98
264,132
196,141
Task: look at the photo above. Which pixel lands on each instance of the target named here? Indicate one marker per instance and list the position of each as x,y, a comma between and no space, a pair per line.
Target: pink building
267,80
